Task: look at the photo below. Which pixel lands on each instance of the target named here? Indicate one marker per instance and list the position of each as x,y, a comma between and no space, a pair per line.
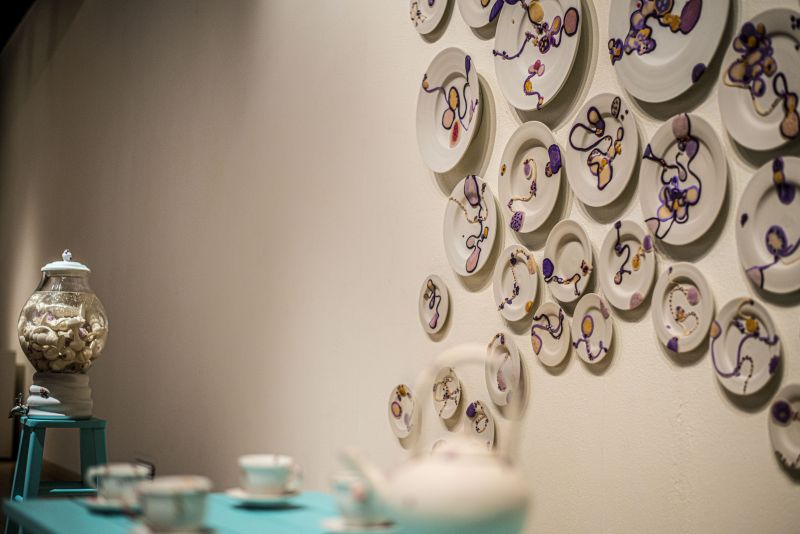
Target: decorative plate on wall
479,13
768,226
434,303
567,263
534,49
592,328
550,337
659,49
470,226
401,411
530,176
481,423
683,307
745,349
426,14
784,426
627,265
502,368
761,81
446,393
448,109
603,150
682,180
515,282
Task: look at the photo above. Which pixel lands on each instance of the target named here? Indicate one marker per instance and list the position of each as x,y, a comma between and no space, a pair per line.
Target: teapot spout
356,460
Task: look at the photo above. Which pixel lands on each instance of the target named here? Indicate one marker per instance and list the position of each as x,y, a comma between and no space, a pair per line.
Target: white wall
244,181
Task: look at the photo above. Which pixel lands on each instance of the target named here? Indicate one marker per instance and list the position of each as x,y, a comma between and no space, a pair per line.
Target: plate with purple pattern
567,264
470,226
745,349
514,282
534,49
761,81
661,48
592,328
784,426
627,265
502,368
683,307
434,303
426,15
768,226
682,180
402,412
481,423
479,13
446,392
550,337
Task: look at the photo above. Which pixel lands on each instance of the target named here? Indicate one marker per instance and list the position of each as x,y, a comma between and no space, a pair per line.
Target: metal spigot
19,409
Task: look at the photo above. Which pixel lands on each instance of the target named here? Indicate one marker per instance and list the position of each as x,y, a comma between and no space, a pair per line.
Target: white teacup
174,502
117,482
270,474
358,504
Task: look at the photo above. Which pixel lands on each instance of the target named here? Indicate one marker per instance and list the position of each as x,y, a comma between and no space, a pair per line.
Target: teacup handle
295,479
91,475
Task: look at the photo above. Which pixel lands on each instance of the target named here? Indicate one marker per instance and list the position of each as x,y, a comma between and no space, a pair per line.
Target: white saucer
479,13
245,498
502,368
567,263
102,505
401,411
433,304
627,265
514,283
550,337
446,393
683,307
784,426
144,529
470,226
592,328
426,15
481,423
338,525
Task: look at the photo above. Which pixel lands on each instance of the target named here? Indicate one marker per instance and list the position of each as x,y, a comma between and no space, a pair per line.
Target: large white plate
745,349
761,81
446,392
481,423
768,226
682,180
550,337
534,49
242,497
426,15
434,303
567,263
592,328
683,307
603,149
470,226
654,62
502,368
514,282
448,109
784,426
402,411
530,176
479,13
627,265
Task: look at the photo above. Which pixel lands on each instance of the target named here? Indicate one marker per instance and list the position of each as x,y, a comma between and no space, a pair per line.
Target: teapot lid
66,266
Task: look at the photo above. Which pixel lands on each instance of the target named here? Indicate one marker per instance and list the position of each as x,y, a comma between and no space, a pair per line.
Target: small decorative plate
768,226
401,411
683,307
661,48
259,500
603,149
534,49
446,393
745,349
592,328
481,423
470,225
683,179
448,109
567,263
515,282
784,426
502,368
761,81
434,304
627,265
530,176
479,13
550,337
426,15
338,525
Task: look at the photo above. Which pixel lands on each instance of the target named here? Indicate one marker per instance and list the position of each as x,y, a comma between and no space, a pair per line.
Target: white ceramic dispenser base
60,395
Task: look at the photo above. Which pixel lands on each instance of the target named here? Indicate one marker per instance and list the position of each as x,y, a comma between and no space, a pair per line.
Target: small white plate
470,225
144,529
103,505
481,423
446,393
534,49
654,62
768,226
550,336
502,368
479,13
603,150
592,328
745,348
338,525
448,109
515,282
401,411
759,110
683,307
627,265
784,426
254,500
426,15
682,180
434,303
567,263
530,176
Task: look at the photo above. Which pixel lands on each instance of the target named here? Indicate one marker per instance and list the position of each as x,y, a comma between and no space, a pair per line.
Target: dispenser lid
66,265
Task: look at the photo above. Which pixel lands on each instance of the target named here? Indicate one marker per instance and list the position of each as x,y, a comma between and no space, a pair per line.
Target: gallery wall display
683,307
627,265
592,328
515,282
550,334
402,411
784,426
502,369
446,392
470,225
426,15
481,423
567,265
433,303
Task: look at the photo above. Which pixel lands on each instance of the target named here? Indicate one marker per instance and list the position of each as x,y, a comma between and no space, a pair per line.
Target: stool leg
88,453
34,463
100,455
22,462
